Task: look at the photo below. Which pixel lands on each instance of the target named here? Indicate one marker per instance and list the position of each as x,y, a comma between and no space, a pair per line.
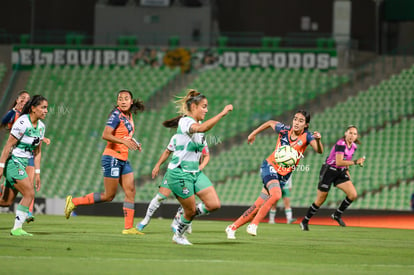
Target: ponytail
184,107
172,122
137,106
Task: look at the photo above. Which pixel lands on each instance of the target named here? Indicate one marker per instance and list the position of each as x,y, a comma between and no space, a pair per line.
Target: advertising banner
185,58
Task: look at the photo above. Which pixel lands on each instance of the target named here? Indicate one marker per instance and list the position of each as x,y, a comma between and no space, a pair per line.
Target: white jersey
172,144
188,147
28,136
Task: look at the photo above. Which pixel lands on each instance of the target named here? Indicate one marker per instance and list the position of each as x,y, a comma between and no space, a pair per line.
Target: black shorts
330,175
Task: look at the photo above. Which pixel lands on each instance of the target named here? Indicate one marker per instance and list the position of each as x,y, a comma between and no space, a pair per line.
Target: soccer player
274,176
163,189
13,114
335,171
184,176
24,142
118,133
286,201
7,122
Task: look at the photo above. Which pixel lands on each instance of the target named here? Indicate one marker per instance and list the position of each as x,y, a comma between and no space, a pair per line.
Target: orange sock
31,207
85,200
275,195
129,212
249,214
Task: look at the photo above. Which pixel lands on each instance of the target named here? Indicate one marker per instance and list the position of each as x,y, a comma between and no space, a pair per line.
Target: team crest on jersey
186,191
300,142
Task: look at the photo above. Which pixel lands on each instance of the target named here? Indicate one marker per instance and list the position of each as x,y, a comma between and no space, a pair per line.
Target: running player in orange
274,177
286,201
7,122
118,133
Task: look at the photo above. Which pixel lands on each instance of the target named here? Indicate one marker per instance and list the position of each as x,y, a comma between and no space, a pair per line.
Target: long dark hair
36,100
2,125
184,107
18,95
137,104
357,141
307,116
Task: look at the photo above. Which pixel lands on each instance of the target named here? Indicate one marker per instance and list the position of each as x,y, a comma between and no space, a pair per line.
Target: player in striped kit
274,177
24,143
118,133
163,189
184,176
335,171
7,121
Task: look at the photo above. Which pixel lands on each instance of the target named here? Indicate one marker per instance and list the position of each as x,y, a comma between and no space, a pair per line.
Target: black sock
344,205
311,211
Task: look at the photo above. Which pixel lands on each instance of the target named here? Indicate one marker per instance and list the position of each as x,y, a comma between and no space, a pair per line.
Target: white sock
20,219
272,214
152,207
288,213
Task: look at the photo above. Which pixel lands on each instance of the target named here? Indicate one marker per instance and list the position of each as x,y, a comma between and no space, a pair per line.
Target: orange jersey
123,128
284,138
10,118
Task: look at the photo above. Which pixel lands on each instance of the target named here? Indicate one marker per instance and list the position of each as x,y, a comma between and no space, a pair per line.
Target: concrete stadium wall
152,26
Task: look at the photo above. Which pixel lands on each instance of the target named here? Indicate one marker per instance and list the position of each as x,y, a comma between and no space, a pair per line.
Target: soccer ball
286,156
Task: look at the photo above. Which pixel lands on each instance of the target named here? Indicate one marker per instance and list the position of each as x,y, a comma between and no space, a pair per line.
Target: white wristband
37,171
2,165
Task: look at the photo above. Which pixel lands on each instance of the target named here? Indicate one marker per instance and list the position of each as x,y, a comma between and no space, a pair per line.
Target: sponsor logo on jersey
115,172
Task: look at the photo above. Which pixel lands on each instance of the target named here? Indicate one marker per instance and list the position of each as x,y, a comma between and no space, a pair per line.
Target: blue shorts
114,168
269,173
31,162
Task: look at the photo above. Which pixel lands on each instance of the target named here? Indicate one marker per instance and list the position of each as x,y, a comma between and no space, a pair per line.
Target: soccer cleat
338,219
131,231
290,221
271,221
180,239
141,226
304,225
19,232
30,218
231,234
252,229
174,225
69,206
189,229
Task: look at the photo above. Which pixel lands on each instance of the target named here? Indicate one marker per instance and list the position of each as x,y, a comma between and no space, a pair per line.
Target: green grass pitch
95,245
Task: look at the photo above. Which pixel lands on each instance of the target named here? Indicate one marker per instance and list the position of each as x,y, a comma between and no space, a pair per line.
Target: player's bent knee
108,198
213,207
353,196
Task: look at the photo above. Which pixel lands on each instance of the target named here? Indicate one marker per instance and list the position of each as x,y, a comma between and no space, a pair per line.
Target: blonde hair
184,103
184,107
